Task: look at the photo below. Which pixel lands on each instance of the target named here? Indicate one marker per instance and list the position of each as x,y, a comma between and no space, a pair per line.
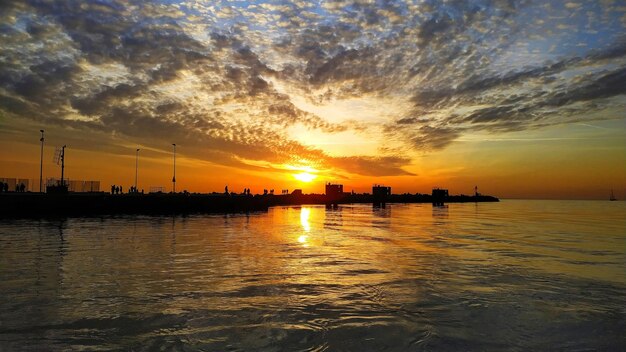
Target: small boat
612,197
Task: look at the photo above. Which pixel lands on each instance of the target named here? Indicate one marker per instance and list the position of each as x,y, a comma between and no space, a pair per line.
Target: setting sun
304,177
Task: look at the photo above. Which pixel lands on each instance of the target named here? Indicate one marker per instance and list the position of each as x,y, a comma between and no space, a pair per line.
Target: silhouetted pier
79,204
14,204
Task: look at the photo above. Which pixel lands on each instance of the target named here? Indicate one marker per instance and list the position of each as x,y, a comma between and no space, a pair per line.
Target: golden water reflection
305,213
308,272
305,238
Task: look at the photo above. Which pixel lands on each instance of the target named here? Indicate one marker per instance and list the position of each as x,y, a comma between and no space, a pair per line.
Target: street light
136,166
174,177
63,167
41,164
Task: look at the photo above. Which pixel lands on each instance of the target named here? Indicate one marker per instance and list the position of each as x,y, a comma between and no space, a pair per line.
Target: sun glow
304,177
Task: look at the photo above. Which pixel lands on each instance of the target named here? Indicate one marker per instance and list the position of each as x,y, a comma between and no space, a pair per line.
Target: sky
524,99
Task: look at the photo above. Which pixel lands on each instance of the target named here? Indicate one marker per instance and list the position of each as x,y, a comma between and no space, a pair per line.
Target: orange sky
509,167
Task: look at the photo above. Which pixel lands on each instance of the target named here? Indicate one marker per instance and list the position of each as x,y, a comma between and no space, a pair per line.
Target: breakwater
84,204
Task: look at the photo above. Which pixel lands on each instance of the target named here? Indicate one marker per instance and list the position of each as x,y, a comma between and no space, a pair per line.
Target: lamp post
62,165
41,164
136,166
174,177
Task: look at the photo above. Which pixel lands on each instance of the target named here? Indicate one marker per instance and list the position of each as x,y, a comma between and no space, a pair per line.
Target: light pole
174,177
136,166
41,164
62,165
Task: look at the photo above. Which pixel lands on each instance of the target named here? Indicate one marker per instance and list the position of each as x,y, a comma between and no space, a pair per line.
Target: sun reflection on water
303,240
305,213
304,219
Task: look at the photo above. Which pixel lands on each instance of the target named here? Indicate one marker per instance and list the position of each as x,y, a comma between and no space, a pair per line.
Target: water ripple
518,275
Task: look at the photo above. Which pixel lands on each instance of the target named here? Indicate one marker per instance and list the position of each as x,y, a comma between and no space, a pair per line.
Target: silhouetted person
112,189
6,187
226,190
22,187
121,190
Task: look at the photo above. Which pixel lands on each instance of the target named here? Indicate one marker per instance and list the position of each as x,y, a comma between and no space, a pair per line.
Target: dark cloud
602,86
427,137
372,166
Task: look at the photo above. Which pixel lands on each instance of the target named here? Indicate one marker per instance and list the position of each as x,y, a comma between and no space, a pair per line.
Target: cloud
212,74
373,166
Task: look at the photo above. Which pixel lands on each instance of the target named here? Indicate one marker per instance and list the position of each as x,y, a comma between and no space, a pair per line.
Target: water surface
515,275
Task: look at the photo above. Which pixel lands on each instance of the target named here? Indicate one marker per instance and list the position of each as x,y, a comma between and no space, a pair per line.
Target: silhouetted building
334,189
439,196
297,192
380,194
334,193
381,191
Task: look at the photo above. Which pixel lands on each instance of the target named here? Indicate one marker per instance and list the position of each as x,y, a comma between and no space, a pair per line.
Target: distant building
297,192
334,189
381,191
380,194
439,195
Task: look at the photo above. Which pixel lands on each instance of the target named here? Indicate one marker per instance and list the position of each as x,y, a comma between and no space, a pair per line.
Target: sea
518,275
